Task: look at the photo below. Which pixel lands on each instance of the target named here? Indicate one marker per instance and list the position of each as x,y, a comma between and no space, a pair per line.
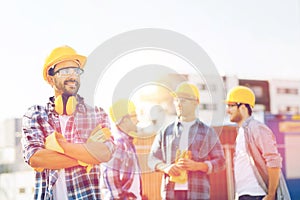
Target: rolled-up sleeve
216,155
156,156
266,142
32,134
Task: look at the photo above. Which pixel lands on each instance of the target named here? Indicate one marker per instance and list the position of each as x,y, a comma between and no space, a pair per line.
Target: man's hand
269,197
99,134
191,165
172,170
53,140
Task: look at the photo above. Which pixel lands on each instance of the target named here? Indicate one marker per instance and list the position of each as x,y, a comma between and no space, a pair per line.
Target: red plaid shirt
38,123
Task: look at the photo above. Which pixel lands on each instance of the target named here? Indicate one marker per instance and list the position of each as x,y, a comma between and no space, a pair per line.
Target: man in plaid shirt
121,176
186,151
57,140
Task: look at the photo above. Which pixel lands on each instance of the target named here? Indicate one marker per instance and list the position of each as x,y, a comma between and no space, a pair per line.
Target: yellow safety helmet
241,94
60,54
120,109
187,90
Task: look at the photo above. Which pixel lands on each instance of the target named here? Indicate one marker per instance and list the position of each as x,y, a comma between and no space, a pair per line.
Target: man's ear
125,119
243,108
195,103
50,80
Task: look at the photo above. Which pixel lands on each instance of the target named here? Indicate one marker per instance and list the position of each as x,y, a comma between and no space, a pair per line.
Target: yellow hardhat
187,90
60,54
120,109
241,94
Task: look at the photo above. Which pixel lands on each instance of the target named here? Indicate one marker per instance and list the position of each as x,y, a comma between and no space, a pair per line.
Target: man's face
66,78
234,112
128,124
185,106
132,122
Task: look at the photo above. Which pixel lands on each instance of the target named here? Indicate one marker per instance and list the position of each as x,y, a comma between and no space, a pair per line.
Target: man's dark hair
248,108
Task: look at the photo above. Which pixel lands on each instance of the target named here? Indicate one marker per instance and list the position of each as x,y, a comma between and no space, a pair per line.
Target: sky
251,39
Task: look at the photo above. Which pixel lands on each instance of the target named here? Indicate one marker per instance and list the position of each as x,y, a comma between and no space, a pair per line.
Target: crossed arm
50,159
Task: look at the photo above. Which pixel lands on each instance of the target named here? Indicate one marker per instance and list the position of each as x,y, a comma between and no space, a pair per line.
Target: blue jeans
248,197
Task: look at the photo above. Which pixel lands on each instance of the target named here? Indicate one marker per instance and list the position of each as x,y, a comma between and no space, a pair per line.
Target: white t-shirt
60,187
245,180
183,145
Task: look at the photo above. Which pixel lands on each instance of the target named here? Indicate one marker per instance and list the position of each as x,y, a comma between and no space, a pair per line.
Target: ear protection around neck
65,104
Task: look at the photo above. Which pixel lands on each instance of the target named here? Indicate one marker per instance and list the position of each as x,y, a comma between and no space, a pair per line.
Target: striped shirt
262,146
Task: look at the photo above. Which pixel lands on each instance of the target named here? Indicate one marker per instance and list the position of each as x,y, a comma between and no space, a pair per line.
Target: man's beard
237,118
72,91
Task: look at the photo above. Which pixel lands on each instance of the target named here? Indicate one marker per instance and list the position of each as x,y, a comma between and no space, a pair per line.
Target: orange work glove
99,134
182,178
52,142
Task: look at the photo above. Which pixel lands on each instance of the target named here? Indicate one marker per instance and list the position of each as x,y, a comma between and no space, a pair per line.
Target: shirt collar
123,135
178,122
247,121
